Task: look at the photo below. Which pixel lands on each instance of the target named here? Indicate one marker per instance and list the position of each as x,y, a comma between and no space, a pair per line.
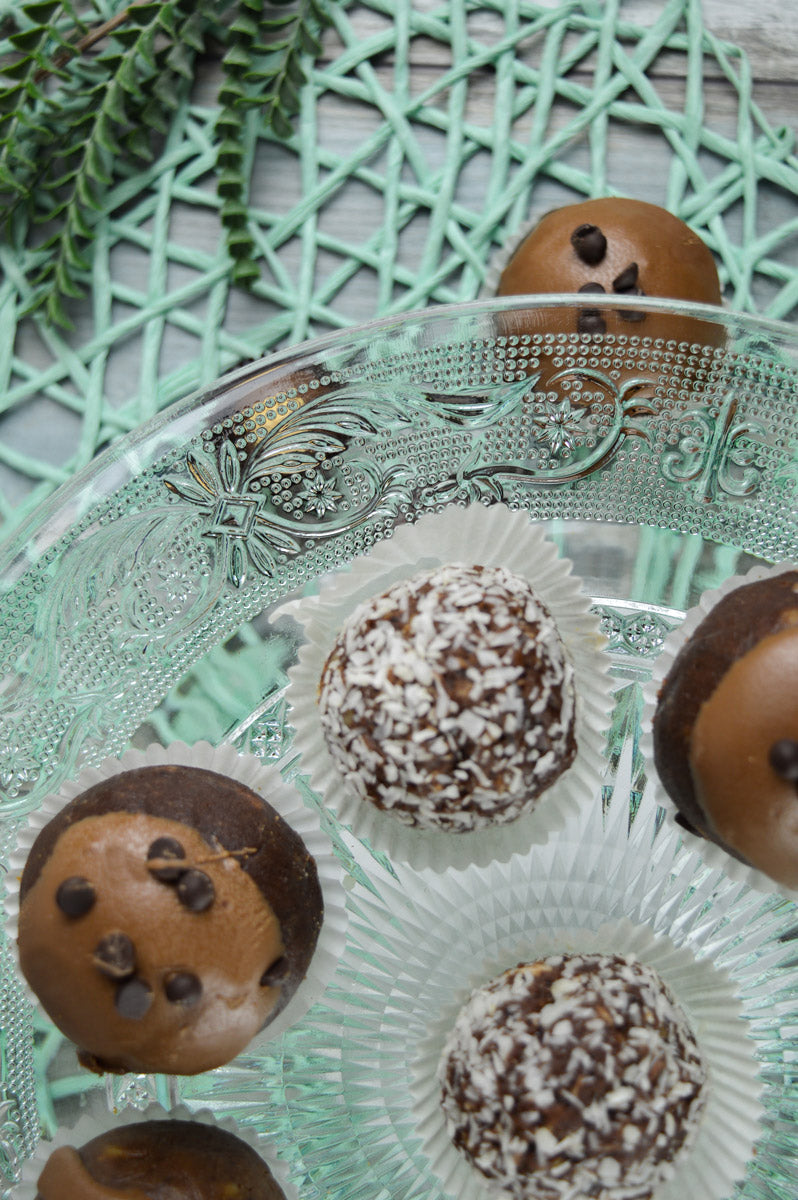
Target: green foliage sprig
86,101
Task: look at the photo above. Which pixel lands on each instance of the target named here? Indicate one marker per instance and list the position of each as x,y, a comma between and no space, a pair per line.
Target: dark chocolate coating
170,1159
733,627
227,814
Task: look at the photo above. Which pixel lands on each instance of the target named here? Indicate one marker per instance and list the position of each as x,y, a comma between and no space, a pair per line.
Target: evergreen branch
268,75
91,155
98,34
84,101
22,101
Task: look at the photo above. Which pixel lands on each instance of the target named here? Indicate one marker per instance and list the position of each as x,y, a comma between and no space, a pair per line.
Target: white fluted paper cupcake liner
706,994
492,536
96,1122
712,854
422,940
267,782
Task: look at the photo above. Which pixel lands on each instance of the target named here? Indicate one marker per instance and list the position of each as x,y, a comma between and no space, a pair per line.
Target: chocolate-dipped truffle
166,915
725,729
616,246
448,700
624,247
576,1075
162,1160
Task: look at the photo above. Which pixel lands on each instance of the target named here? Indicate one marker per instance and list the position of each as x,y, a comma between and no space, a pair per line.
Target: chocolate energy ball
164,1160
622,247
725,729
573,1076
166,915
448,700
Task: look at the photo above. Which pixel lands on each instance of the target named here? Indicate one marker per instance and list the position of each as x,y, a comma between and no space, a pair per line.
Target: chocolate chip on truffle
589,243
75,896
626,284
627,280
166,848
182,987
783,759
133,998
595,289
195,890
590,320
275,974
115,955
632,314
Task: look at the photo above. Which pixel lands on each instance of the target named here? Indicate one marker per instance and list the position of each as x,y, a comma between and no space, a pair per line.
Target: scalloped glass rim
121,462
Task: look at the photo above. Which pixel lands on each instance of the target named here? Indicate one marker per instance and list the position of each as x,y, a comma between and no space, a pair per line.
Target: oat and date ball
573,1076
162,1160
617,246
166,915
448,700
725,729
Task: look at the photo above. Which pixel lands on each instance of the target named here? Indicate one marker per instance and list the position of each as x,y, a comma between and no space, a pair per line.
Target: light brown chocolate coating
648,251
159,1160
748,805
170,965
58,952
730,696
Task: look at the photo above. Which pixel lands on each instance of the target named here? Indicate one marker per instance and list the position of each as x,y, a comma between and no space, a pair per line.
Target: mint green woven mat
427,135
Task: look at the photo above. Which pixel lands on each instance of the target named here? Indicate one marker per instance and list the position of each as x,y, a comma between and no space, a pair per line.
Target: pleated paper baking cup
267,782
474,535
703,992
712,854
420,941
97,1122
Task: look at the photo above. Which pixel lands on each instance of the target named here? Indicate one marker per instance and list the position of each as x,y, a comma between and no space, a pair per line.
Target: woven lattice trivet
427,135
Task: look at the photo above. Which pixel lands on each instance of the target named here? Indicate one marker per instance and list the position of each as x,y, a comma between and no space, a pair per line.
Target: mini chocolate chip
276,973
195,890
783,758
627,280
133,998
595,288
631,314
590,320
181,987
75,896
170,848
115,955
589,243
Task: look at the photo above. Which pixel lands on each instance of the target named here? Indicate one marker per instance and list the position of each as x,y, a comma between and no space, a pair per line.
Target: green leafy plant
86,101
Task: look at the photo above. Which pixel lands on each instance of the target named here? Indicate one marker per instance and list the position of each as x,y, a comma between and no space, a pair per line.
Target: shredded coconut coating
573,1077
448,700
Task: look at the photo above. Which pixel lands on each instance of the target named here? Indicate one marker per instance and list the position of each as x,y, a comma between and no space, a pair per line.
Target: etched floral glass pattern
137,605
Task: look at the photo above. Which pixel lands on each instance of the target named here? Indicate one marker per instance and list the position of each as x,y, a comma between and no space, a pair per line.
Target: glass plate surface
136,607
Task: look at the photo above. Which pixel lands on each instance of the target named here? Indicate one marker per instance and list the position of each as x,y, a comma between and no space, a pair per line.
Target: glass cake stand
138,605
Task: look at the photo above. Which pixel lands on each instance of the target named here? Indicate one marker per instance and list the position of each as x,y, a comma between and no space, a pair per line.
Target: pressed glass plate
136,607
